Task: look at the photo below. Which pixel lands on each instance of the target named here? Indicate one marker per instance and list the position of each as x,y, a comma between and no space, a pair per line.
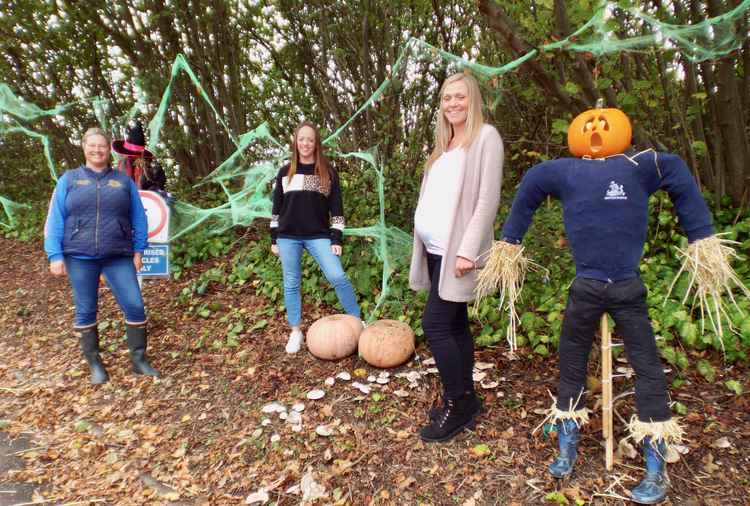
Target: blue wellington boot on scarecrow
653,488
567,437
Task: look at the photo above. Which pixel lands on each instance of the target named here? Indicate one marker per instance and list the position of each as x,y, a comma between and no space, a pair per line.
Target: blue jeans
290,251
122,280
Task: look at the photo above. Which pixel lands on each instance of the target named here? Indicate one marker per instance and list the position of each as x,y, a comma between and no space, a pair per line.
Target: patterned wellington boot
567,436
653,488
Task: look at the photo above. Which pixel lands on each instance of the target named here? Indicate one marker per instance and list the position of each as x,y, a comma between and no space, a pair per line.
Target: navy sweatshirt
304,209
605,207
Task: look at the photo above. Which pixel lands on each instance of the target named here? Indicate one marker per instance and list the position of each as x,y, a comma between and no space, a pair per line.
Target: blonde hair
474,118
92,132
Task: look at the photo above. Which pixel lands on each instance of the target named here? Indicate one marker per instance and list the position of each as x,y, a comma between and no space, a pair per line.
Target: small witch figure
133,157
604,194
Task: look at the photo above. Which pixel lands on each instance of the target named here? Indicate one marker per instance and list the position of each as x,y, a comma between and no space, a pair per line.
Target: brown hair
322,166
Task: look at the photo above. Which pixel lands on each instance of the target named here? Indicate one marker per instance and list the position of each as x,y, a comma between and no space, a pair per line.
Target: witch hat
134,145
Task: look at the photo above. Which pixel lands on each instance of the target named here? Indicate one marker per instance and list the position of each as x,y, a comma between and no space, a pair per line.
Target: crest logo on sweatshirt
615,192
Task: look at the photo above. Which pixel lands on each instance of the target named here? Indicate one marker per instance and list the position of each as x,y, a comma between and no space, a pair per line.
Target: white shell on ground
274,407
275,438
365,389
479,376
489,384
323,430
314,395
330,381
382,381
344,376
298,407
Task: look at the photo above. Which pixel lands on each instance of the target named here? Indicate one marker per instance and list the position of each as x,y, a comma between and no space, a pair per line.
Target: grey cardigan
471,232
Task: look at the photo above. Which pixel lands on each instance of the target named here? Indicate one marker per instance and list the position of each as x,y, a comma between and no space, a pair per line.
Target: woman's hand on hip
275,249
138,261
463,265
57,268
336,249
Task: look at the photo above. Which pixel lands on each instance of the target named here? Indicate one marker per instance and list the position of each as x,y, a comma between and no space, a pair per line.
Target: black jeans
625,301
446,327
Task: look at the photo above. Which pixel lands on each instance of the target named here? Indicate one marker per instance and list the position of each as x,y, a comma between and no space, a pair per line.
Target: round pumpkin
334,337
598,133
386,343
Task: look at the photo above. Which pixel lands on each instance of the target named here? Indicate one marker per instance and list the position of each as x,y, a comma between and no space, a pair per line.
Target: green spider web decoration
246,182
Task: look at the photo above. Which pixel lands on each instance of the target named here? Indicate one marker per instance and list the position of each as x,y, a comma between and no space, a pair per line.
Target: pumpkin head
599,132
386,343
333,337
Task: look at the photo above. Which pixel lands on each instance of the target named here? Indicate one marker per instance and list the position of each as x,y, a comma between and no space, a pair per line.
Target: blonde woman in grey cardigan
453,227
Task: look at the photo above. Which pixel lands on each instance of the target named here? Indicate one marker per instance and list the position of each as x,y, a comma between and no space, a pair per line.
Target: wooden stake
607,429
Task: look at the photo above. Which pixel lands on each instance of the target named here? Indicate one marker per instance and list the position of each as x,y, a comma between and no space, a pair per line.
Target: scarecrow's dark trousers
625,301
446,327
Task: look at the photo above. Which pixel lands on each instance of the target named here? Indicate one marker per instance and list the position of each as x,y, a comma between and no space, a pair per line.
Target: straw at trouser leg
555,414
669,431
504,273
707,263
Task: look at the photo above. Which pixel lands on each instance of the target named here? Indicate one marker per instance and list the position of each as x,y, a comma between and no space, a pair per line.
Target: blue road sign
155,261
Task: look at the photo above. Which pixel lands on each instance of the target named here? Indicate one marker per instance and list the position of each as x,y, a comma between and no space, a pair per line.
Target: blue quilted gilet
97,209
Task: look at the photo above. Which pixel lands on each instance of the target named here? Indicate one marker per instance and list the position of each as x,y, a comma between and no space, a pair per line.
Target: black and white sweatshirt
303,209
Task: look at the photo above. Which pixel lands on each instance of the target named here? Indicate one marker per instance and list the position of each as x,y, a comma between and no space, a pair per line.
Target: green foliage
734,386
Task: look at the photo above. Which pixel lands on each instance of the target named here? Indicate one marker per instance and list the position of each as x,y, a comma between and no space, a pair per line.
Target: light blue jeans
290,252
122,280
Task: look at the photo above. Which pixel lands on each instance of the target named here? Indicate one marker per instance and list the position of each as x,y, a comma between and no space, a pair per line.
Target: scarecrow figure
133,157
604,194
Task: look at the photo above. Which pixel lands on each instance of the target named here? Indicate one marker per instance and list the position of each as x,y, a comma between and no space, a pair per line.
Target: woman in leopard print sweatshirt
308,214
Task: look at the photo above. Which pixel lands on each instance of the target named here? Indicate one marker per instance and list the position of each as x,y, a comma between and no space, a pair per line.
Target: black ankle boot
137,345
475,406
89,338
456,416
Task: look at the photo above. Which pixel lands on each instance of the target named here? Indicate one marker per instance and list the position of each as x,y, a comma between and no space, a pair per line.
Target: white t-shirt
437,206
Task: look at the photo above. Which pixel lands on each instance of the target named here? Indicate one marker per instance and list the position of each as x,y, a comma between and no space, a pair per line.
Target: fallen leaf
721,443
480,450
625,450
311,490
259,497
406,482
708,464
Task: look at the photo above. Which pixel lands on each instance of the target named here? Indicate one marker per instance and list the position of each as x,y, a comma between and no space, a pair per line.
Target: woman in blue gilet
96,225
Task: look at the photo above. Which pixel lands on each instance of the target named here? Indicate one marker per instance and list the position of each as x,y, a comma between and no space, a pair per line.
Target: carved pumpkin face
599,132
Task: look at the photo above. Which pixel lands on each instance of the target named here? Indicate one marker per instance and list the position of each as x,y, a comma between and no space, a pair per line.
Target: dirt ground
199,434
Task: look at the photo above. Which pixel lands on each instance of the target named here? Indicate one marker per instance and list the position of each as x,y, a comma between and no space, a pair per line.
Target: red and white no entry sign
157,214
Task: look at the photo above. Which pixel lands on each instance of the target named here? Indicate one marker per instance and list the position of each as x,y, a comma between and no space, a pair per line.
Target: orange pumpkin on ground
334,337
599,133
386,343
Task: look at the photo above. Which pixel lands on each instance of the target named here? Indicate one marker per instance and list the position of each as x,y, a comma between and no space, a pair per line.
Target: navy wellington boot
567,436
653,488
